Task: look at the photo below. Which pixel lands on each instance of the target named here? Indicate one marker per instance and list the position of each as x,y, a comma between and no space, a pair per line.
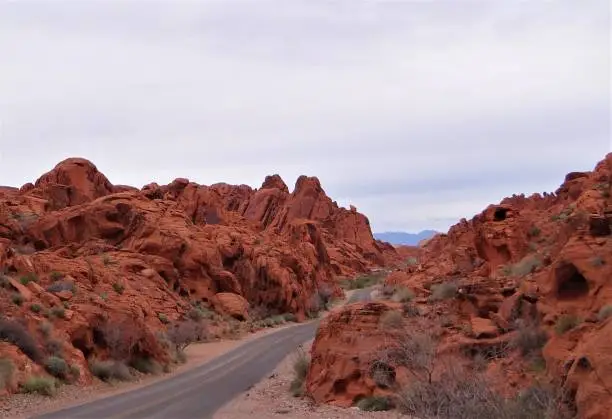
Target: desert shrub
525,266
387,291
289,317
604,312
459,394
325,293
182,334
529,339
402,295
412,261
198,314
410,310
119,288
146,365
55,276
7,368
565,323
534,231
443,291
60,286
39,384
54,347
110,370
359,296
17,298
391,320
363,281
56,366
301,364
120,338
415,351
163,318
29,277
375,404
35,308
57,311
17,334
382,373
45,328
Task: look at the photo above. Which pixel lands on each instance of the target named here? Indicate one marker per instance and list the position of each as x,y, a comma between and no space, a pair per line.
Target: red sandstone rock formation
103,254
544,260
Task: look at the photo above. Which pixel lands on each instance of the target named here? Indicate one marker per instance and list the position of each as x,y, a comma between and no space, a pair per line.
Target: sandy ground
270,398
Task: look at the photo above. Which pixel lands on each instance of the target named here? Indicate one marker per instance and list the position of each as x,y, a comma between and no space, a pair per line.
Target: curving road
199,393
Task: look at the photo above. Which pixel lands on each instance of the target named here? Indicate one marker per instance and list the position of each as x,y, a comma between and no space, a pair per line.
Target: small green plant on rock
17,298
119,288
566,323
163,318
29,277
57,367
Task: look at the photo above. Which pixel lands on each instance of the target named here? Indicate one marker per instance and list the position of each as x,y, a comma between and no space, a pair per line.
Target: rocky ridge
521,293
79,255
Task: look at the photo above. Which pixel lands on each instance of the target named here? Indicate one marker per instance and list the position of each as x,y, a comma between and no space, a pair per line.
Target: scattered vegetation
529,340
17,298
57,367
604,312
375,404
107,260
35,308
55,276
7,368
17,333
29,277
182,334
57,311
54,347
146,365
566,323
443,291
363,281
301,364
110,370
45,328
402,295
40,384
119,288
534,231
163,318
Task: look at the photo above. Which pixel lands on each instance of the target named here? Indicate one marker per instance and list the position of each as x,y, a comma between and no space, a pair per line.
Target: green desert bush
566,323
375,404
39,384
443,291
57,367
301,364
391,320
402,295
110,370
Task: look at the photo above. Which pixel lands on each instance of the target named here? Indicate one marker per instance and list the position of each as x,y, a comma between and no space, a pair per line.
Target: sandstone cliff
80,253
522,291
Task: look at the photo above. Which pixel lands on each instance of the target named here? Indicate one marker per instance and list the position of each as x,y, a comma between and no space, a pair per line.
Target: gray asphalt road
202,391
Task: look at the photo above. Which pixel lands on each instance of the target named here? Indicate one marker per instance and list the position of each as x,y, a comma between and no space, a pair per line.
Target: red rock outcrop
543,260
97,254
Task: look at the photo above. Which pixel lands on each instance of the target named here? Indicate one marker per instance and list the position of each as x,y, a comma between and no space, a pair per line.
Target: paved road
202,391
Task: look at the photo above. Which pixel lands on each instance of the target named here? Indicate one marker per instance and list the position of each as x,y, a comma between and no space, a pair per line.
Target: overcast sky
417,112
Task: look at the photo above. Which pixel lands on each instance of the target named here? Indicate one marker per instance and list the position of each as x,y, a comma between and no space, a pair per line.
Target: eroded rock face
543,261
105,254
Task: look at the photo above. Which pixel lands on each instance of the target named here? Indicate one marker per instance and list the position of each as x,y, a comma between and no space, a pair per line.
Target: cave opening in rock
500,214
571,283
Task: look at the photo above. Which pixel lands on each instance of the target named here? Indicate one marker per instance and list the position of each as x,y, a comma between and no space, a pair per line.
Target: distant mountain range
400,237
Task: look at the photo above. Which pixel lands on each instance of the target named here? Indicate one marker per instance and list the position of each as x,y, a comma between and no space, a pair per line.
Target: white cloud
364,95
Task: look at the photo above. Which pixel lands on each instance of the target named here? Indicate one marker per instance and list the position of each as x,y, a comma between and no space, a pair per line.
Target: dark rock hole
570,282
500,214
